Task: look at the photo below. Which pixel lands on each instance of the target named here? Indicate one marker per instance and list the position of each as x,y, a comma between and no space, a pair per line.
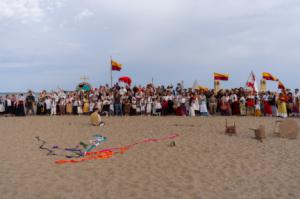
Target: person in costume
281,102
2,106
213,103
290,103
243,109
13,104
75,106
250,104
267,105
234,103
225,105
273,103
62,106
79,107
203,104
20,111
296,104
258,108
29,103
8,105
48,105
95,118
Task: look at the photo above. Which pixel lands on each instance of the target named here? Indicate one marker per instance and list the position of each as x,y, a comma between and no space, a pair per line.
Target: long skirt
267,108
86,108
62,109
235,108
74,110
20,110
170,107
282,110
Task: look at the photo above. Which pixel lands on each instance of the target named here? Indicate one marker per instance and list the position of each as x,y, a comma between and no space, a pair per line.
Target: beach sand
205,163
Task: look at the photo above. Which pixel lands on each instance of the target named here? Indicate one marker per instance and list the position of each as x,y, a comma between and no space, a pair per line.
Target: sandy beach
205,163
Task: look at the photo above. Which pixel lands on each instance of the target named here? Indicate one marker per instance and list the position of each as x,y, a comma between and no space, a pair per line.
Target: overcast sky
46,44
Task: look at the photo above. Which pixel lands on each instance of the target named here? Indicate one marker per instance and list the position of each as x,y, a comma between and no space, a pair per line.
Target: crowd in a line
150,100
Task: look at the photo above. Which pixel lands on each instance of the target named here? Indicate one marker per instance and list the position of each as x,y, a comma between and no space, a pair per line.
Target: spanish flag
281,86
219,76
268,76
115,65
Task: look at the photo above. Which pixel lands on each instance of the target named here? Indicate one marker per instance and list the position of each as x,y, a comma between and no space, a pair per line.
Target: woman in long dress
273,103
85,106
250,104
281,102
20,106
148,105
69,107
79,107
192,105
203,104
243,110
225,105
234,104
266,103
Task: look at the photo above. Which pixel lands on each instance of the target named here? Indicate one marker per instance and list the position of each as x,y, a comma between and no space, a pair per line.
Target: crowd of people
150,100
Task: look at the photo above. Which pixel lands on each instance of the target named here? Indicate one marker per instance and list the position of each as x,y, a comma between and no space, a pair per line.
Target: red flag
126,80
281,86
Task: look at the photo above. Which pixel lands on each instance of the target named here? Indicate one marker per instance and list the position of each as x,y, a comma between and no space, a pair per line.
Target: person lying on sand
95,118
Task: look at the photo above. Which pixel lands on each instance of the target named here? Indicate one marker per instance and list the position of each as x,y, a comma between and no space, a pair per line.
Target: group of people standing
151,100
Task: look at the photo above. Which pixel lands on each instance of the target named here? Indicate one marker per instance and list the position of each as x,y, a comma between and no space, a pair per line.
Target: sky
50,44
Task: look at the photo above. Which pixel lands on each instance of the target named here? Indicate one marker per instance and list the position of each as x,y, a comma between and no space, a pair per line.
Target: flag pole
111,73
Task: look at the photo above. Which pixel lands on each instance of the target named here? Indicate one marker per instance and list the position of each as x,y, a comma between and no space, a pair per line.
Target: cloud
84,14
21,10
189,39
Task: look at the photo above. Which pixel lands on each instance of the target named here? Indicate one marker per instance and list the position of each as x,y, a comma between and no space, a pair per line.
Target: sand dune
205,163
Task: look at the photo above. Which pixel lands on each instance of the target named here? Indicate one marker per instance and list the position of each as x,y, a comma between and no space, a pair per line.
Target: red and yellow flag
219,76
281,86
115,65
268,76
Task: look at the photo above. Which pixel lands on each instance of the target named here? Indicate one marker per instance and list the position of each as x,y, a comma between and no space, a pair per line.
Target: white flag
251,83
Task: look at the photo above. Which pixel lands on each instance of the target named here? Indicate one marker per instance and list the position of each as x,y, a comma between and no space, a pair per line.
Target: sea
3,94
